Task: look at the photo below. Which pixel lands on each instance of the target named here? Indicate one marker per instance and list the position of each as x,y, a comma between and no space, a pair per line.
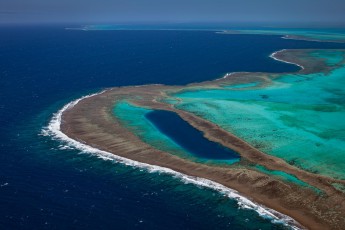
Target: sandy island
92,122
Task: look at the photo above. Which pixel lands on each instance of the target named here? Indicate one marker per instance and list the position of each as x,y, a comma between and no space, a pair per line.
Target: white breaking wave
277,59
271,56
54,130
228,74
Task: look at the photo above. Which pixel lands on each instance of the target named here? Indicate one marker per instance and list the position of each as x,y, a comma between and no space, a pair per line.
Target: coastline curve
53,129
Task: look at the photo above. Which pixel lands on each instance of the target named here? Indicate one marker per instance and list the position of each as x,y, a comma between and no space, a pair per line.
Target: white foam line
227,75
54,130
273,55
137,86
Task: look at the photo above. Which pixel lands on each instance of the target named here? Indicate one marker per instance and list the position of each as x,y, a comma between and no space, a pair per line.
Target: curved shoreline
54,130
79,122
274,54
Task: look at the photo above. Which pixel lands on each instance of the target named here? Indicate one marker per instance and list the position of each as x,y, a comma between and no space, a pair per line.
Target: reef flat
290,160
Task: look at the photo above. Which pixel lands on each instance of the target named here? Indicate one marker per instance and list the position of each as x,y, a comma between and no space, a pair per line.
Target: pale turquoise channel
241,86
299,118
287,177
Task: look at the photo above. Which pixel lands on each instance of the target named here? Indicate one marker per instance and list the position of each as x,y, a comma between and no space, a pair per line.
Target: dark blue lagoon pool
189,138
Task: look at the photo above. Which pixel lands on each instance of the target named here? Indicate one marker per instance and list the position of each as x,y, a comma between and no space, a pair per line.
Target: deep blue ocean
43,186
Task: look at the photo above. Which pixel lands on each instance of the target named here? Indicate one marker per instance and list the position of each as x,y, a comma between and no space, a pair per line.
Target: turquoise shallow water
283,175
133,117
287,177
299,118
240,86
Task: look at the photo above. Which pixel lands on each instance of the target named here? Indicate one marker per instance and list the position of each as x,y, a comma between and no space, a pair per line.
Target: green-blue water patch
173,126
171,101
133,117
240,86
338,186
286,176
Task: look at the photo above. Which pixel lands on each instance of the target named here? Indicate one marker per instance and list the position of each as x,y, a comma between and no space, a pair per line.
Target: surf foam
54,130
277,59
